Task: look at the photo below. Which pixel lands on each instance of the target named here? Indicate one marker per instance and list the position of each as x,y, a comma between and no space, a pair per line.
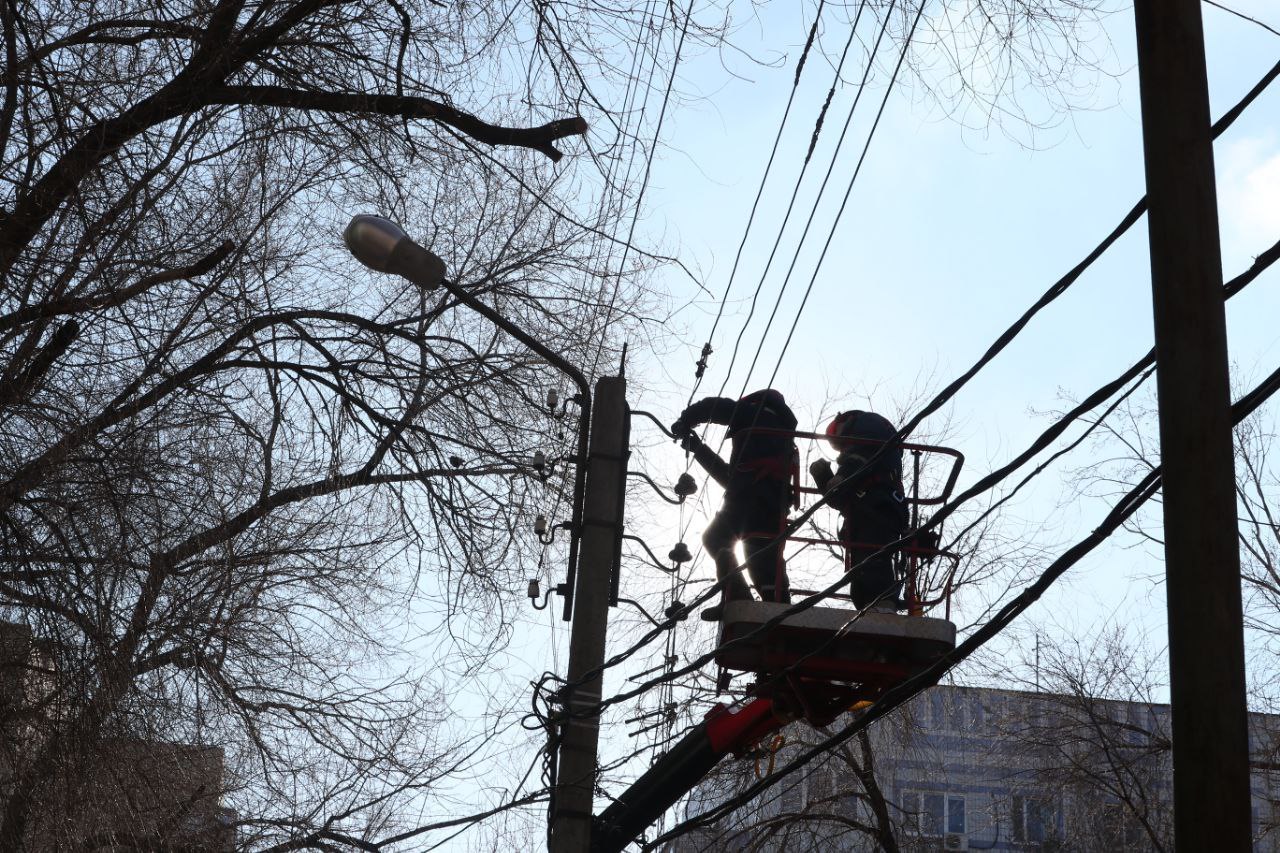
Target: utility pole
601,527
1211,792
596,529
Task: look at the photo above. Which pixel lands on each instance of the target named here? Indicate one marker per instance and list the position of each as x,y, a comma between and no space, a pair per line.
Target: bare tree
252,497
1095,733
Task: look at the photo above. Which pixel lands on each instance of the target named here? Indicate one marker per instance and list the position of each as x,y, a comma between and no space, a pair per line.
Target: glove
680,429
820,471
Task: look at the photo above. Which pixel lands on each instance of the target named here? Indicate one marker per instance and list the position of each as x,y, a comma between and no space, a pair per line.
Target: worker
758,490
866,488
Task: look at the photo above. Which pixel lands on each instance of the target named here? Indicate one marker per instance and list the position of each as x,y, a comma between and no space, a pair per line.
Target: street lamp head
382,245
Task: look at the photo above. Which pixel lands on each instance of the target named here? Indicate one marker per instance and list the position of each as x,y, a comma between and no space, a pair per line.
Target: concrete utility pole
1202,561
601,527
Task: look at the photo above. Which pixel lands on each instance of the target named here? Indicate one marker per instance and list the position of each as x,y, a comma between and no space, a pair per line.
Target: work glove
820,471
680,429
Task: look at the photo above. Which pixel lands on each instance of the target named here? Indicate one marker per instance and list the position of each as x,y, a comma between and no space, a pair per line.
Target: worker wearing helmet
866,488
758,492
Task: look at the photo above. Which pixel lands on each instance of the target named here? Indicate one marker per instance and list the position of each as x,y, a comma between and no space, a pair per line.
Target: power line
790,206
813,211
1231,11
610,184
804,54
848,190
1059,287
795,191
644,182
822,189
1246,406
1263,261
1054,291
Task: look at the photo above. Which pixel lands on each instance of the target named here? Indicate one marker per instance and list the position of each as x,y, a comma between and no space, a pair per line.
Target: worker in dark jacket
870,500
758,491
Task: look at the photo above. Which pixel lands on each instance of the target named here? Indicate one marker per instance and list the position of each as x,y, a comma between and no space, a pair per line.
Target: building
965,768
115,793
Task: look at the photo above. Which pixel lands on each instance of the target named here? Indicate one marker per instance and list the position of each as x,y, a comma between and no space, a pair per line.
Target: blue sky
950,234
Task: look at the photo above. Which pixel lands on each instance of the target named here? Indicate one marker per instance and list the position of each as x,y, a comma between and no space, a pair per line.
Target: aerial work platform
815,664
831,643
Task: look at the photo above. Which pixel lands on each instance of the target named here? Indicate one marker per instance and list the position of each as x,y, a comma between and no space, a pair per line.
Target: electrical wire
839,213
790,206
813,211
1261,263
1246,406
755,204
611,183
875,50
644,184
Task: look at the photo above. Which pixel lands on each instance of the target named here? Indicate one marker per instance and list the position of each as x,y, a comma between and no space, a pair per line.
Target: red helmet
835,430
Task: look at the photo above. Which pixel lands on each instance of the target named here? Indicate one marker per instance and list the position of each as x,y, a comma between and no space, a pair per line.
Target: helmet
835,429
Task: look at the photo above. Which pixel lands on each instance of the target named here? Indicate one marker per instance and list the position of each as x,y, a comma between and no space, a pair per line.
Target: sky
949,234
951,231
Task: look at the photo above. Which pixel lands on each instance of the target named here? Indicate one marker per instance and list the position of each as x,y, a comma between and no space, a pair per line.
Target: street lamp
382,245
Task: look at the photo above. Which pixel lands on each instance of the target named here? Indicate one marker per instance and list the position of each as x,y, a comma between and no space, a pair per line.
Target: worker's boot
875,587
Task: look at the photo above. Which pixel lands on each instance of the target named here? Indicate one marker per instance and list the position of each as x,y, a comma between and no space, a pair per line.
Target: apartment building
970,768
111,794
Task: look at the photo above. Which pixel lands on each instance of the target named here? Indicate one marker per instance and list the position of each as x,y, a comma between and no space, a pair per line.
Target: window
1035,820
955,814
932,813
1120,829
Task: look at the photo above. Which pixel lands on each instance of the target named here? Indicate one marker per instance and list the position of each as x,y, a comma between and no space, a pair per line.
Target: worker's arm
707,458
713,410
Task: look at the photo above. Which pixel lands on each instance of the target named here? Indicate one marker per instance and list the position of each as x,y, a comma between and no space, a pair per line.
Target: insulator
539,460
680,553
540,525
552,399
685,485
535,590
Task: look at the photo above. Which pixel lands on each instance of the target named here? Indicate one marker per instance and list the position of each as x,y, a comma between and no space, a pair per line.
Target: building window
1035,820
1120,829
955,814
931,813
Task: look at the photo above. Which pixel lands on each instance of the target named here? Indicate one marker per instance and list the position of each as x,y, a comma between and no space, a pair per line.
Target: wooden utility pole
601,528
1202,563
